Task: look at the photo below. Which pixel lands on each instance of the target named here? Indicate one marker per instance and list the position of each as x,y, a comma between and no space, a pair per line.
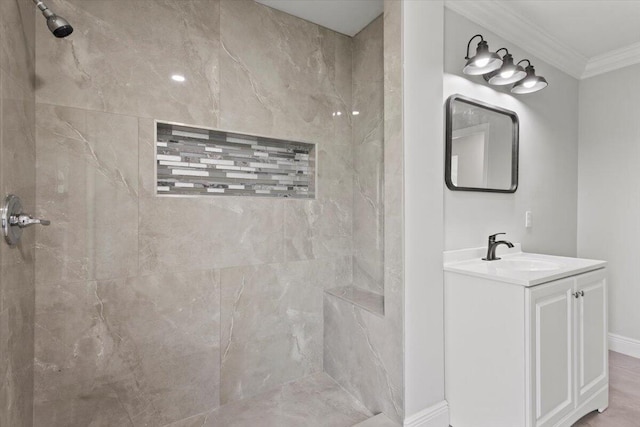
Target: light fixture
507,74
483,61
531,83
178,78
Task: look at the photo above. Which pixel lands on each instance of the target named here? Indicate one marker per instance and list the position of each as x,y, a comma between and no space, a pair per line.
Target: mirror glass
481,147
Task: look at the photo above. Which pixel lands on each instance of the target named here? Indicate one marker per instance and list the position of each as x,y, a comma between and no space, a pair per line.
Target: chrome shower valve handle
24,220
14,220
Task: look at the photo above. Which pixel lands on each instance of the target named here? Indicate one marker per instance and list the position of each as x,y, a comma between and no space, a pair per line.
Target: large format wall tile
178,233
278,73
368,137
141,351
88,187
323,227
318,229
126,333
361,352
18,141
284,76
17,41
272,323
122,56
17,175
16,349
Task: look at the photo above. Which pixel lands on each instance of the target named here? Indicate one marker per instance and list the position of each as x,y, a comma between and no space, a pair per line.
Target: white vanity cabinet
525,347
567,321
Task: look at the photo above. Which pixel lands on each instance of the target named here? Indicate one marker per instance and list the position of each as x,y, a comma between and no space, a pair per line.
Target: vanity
525,338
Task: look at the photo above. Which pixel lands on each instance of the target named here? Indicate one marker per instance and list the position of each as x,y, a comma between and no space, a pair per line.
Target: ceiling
581,37
344,16
592,28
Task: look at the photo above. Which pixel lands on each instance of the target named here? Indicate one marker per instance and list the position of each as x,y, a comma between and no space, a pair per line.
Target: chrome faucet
492,245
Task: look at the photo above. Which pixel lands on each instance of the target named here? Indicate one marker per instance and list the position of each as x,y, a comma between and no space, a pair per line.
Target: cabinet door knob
581,293
577,294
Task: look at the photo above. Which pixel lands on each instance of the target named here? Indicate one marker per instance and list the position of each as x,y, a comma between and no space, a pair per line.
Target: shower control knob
23,220
14,220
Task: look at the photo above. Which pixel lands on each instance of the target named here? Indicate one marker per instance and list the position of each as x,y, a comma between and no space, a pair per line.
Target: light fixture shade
483,62
531,83
507,74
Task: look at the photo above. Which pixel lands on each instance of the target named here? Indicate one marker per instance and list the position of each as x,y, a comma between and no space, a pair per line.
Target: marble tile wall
368,162
150,310
290,331
364,351
17,176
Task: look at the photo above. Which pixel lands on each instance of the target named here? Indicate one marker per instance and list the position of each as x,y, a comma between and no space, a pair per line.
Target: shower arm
43,8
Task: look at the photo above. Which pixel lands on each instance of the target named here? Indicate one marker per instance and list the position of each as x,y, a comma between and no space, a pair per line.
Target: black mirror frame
449,140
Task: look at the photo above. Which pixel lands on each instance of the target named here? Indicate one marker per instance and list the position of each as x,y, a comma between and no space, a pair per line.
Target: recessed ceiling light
178,78
355,113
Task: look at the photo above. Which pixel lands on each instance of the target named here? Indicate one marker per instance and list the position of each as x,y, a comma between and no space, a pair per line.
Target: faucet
492,245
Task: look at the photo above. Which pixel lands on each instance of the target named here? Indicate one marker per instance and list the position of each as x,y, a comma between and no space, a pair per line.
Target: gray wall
17,176
422,152
148,309
609,189
548,184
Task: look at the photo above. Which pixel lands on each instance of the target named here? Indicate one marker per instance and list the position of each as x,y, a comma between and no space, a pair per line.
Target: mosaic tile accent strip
204,162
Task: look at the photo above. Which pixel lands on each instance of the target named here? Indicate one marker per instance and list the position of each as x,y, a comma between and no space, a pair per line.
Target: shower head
57,24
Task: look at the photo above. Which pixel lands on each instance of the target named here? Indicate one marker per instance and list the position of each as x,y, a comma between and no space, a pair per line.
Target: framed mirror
481,146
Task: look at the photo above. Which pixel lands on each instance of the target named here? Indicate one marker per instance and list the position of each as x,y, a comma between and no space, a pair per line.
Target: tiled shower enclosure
134,308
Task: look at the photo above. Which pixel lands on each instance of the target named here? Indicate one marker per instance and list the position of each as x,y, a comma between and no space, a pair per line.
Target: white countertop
517,267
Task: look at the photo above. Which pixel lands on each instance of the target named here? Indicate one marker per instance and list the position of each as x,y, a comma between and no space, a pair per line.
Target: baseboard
433,416
624,345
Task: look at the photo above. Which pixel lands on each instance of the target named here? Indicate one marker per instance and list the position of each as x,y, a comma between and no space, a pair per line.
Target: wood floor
624,395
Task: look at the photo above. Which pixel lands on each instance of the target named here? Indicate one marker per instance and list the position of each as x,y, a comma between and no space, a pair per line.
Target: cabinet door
591,334
551,351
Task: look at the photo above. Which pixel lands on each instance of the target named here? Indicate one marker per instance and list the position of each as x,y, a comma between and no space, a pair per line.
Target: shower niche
196,161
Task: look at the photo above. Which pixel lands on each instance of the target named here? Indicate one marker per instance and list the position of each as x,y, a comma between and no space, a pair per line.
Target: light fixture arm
503,48
528,62
469,44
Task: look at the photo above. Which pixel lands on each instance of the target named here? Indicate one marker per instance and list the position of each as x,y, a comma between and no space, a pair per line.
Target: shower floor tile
379,420
313,401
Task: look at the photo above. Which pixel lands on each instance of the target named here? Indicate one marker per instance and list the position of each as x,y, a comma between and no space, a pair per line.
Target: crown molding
496,17
613,60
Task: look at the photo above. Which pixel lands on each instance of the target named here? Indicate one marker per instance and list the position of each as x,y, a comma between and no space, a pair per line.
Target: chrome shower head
57,24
